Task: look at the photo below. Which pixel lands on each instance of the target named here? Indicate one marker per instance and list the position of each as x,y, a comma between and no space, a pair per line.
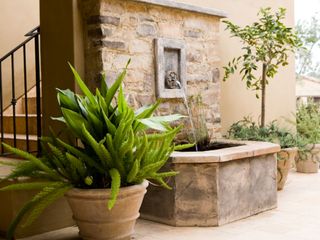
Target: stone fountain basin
216,187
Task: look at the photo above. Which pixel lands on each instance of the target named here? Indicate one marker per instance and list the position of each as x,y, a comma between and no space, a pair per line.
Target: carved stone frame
161,44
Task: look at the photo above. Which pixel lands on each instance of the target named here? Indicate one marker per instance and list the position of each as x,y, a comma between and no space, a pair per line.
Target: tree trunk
263,95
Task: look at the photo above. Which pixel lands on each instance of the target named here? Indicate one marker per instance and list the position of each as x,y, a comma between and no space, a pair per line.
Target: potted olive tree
267,44
103,174
247,129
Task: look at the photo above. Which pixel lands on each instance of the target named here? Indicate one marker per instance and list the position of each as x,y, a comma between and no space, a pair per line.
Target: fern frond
154,167
114,154
107,160
93,143
127,145
121,132
136,165
183,146
162,183
76,168
111,128
23,169
88,160
25,186
33,159
51,196
165,174
113,89
9,163
115,187
58,159
101,101
28,207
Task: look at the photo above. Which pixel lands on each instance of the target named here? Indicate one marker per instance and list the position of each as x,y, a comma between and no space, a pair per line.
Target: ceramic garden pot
309,162
285,160
95,221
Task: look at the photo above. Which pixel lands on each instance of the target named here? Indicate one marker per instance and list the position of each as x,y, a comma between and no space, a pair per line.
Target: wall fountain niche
170,60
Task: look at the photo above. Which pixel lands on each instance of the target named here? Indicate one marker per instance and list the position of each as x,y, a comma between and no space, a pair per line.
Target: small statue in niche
172,80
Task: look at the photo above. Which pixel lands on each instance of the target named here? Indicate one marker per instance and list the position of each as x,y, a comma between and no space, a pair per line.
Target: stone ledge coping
250,149
186,7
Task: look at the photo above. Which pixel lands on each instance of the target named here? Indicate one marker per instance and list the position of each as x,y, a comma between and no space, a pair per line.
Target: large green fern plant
114,149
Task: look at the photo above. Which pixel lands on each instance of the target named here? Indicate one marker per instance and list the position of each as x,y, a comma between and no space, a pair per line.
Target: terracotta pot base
96,222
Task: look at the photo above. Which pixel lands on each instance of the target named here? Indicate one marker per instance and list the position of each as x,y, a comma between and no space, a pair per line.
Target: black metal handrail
34,35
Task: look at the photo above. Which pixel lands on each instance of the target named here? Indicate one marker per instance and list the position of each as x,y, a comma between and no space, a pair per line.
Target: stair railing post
26,96
1,109
38,89
13,102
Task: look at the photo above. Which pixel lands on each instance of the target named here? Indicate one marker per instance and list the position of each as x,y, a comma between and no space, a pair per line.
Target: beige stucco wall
17,17
236,100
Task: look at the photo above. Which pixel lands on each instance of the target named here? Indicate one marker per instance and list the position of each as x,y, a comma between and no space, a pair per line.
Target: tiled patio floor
296,218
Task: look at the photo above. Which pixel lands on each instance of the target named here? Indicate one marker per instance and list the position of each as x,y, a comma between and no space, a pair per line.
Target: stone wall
119,30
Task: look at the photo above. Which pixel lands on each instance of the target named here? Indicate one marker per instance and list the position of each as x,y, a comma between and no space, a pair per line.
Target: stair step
20,123
32,105
21,142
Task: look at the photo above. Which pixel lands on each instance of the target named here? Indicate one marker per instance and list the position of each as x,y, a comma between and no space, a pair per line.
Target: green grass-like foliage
308,121
115,149
247,129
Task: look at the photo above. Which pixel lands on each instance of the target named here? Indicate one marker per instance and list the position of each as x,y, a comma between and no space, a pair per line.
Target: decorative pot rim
104,193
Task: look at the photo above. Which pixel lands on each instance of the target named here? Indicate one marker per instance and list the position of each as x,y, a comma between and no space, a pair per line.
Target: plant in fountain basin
114,158
200,134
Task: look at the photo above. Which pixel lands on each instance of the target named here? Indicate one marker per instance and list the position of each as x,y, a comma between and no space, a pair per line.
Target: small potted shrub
308,128
103,172
246,129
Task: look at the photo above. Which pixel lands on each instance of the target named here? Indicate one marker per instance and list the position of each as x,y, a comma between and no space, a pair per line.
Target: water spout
189,114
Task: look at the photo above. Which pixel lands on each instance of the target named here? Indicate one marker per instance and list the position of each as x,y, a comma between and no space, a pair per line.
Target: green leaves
266,45
159,122
74,121
115,187
35,162
111,149
113,89
67,99
267,41
308,122
32,209
82,85
246,129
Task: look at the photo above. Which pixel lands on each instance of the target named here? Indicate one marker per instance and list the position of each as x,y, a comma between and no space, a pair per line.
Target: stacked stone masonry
117,31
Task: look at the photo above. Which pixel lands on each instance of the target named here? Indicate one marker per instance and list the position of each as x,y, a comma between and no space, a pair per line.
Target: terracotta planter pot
309,163
95,221
285,160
